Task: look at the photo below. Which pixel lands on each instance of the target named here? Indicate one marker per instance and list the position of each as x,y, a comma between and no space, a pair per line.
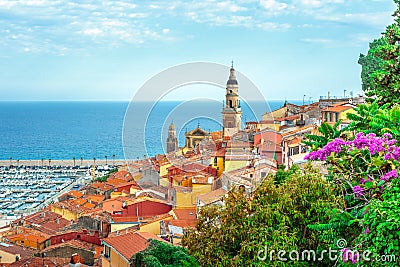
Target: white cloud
319,3
317,40
230,6
94,31
376,19
273,5
55,25
272,26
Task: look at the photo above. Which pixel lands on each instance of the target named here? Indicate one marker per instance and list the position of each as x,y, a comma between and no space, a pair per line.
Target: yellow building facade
115,260
66,213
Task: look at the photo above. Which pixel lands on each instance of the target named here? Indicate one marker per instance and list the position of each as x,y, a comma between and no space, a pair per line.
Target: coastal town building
10,253
231,111
214,197
119,249
338,112
172,141
194,137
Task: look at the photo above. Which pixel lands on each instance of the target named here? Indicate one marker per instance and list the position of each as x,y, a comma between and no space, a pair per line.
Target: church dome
232,78
232,82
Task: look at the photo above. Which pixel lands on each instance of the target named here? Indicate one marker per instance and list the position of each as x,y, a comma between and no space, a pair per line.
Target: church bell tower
231,111
172,141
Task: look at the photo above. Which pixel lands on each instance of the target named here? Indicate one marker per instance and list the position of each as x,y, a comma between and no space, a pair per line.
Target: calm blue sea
63,130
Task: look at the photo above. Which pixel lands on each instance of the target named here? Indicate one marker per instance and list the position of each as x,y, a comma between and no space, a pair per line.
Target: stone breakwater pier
63,163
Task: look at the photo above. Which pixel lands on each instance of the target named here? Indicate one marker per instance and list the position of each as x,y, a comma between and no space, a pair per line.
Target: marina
26,189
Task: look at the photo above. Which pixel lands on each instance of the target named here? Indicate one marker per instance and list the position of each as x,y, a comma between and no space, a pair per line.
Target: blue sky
105,50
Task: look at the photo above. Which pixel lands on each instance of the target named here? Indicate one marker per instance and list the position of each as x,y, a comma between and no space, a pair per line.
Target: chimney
117,233
58,220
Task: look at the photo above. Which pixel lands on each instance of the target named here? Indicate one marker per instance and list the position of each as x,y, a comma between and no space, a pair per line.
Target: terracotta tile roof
76,244
125,219
101,186
119,199
16,250
52,227
77,205
79,201
131,243
72,193
115,181
95,198
88,205
29,235
289,118
185,213
212,196
125,175
295,141
151,186
193,166
131,184
97,213
75,193
40,217
183,223
297,130
337,108
40,262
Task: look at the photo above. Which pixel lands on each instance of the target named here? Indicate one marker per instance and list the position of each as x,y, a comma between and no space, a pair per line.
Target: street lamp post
303,99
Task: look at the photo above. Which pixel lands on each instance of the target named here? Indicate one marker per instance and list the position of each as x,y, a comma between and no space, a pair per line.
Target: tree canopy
162,254
384,84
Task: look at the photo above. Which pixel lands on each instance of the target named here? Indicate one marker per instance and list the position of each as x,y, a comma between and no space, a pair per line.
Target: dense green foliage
385,82
163,254
275,218
372,118
104,178
370,63
354,209
326,134
382,225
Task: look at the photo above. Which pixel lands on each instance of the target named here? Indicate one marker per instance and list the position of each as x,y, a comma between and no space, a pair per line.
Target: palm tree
361,120
387,121
113,159
94,161
10,161
327,134
49,162
81,161
106,158
74,160
18,162
42,162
